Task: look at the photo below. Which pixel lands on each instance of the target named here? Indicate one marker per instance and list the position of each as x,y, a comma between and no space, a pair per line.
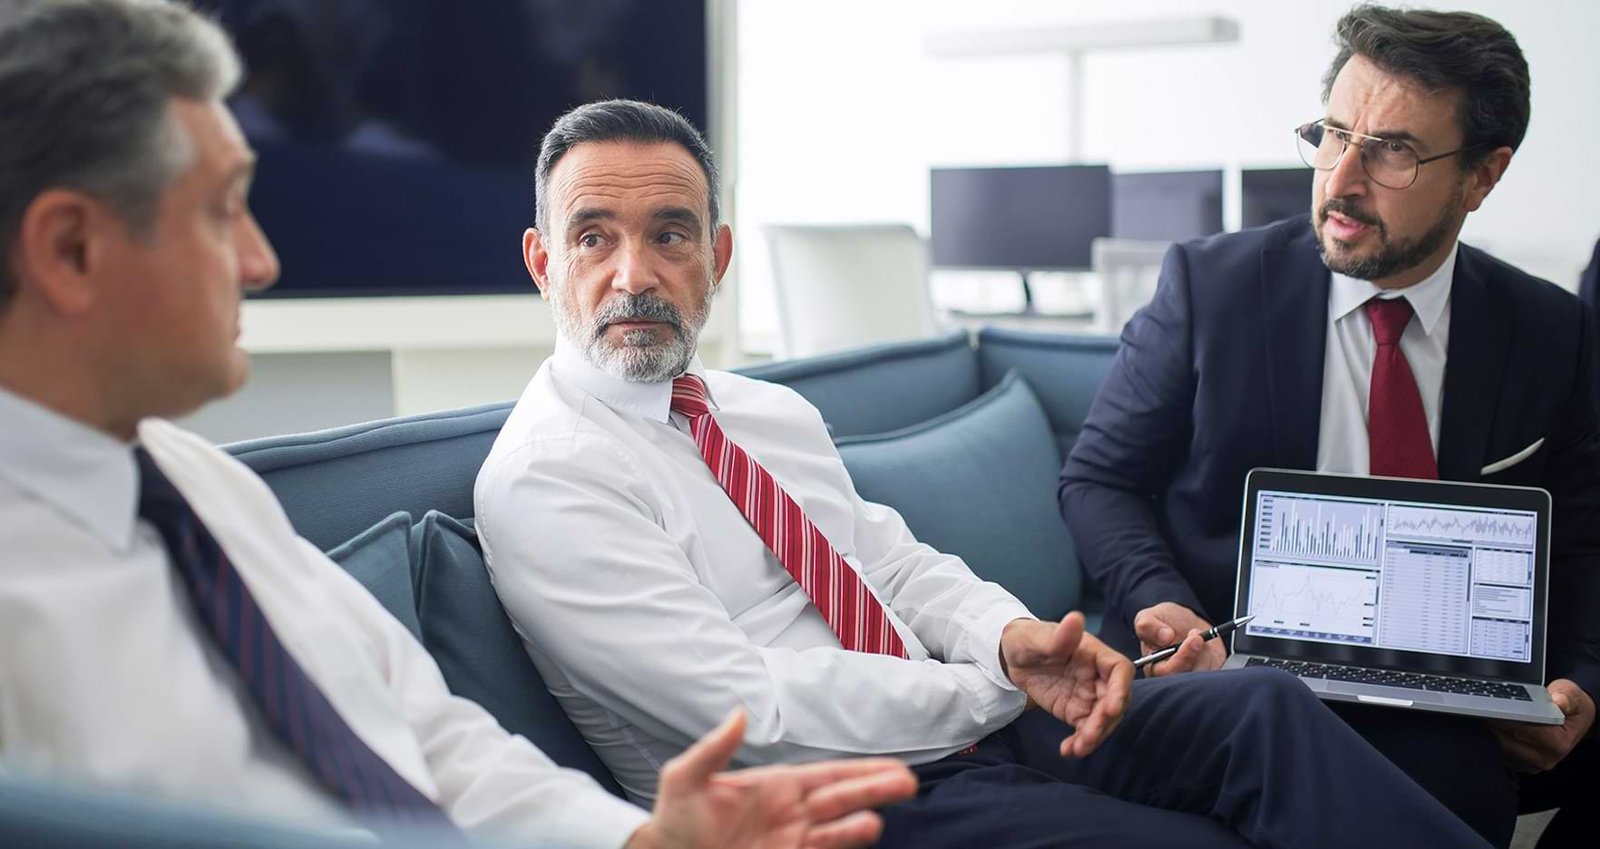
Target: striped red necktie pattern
840,595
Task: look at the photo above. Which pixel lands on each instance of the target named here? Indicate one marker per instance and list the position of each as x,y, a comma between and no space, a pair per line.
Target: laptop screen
1385,574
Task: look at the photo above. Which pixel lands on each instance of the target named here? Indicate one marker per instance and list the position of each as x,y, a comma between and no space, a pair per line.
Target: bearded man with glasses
1363,339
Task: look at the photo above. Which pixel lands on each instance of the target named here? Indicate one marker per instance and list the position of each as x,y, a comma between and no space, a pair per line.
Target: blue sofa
963,434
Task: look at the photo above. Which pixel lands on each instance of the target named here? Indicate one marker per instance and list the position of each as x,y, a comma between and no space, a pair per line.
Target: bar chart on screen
1321,529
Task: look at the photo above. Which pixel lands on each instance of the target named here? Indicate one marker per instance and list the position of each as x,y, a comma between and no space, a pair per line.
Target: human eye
591,239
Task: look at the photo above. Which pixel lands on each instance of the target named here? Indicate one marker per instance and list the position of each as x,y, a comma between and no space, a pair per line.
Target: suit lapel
1294,298
1475,366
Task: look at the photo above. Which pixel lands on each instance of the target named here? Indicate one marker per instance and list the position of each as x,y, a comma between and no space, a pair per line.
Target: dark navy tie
298,713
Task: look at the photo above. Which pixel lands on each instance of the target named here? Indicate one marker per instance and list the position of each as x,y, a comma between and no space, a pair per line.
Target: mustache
641,307
1347,209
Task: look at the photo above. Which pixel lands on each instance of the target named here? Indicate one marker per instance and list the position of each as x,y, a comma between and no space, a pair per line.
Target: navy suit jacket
1222,372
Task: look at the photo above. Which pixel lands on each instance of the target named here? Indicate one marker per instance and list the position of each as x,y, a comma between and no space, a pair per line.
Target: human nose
635,273
258,262
1349,174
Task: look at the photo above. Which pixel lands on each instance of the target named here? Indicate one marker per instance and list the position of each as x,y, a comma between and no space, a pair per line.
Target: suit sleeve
1574,484
1136,433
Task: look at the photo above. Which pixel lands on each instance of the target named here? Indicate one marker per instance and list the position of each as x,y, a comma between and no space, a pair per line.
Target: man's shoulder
1511,282
1245,247
555,423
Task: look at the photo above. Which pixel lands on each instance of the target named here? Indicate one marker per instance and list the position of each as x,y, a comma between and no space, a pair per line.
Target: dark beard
1392,258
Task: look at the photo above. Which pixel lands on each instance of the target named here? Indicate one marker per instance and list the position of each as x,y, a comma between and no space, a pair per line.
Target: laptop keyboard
1395,678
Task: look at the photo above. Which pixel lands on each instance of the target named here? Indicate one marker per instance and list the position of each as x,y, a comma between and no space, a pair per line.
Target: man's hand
1161,626
1536,748
811,806
1074,676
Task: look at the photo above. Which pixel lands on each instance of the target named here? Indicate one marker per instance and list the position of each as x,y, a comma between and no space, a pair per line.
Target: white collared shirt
652,608
1347,364
106,675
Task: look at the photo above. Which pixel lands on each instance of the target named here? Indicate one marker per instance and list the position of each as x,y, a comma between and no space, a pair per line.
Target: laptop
1423,595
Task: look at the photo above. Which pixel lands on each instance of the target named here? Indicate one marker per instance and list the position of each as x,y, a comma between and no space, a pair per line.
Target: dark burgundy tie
1398,444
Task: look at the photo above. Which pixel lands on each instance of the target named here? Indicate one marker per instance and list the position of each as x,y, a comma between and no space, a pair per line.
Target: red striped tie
838,592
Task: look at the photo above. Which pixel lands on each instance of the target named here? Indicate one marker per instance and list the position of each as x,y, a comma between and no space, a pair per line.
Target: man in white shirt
162,627
673,542
1364,340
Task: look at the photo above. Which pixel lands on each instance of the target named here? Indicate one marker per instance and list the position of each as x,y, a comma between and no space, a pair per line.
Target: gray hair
618,121
86,89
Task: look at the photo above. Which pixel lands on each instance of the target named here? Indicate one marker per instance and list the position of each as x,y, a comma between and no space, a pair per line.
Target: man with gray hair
161,624
674,542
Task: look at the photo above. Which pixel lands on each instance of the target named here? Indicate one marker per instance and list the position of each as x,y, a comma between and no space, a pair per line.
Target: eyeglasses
1390,163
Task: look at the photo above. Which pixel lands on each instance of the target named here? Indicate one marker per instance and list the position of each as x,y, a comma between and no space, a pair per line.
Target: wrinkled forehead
1370,99
623,177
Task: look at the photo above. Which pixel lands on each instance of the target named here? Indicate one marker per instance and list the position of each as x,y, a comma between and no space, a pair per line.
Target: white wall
840,114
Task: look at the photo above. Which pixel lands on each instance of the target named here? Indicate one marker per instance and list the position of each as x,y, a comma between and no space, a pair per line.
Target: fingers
1152,631
820,774
1067,636
842,798
708,756
1186,659
858,829
1111,688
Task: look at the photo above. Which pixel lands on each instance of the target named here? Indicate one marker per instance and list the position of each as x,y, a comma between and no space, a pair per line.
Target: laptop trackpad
1382,695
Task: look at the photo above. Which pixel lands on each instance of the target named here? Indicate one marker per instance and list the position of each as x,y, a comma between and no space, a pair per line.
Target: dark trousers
1456,758
1570,787
1227,759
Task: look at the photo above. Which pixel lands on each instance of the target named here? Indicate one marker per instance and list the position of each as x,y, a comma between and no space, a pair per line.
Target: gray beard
640,358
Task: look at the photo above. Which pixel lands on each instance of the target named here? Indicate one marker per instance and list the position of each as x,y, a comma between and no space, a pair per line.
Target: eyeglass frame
1361,152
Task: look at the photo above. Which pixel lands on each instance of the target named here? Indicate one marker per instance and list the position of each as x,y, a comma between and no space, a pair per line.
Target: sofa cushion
38,813
478,650
882,387
334,483
980,482
380,558
1064,369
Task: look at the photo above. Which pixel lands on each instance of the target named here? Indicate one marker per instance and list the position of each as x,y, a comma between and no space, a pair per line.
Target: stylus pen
1211,633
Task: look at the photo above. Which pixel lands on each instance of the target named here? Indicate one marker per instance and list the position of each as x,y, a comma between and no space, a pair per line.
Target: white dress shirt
1347,364
106,674
652,607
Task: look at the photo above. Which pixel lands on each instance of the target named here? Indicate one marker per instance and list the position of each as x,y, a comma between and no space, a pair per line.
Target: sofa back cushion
35,813
478,650
980,482
1064,369
380,558
336,483
882,387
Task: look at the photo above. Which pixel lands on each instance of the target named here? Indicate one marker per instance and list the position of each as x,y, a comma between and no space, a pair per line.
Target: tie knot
1389,317
689,396
154,486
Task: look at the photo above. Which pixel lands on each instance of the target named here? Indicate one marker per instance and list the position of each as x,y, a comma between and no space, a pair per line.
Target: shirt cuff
984,640
600,820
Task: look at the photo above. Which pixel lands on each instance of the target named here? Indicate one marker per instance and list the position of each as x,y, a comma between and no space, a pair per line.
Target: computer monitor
1026,219
1166,206
1273,194
397,140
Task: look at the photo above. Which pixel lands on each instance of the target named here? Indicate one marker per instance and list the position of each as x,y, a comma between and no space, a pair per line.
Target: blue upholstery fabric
1064,370
478,650
883,387
42,814
336,483
380,558
980,482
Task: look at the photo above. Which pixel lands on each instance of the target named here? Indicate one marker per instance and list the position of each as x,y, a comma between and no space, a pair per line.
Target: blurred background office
862,141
